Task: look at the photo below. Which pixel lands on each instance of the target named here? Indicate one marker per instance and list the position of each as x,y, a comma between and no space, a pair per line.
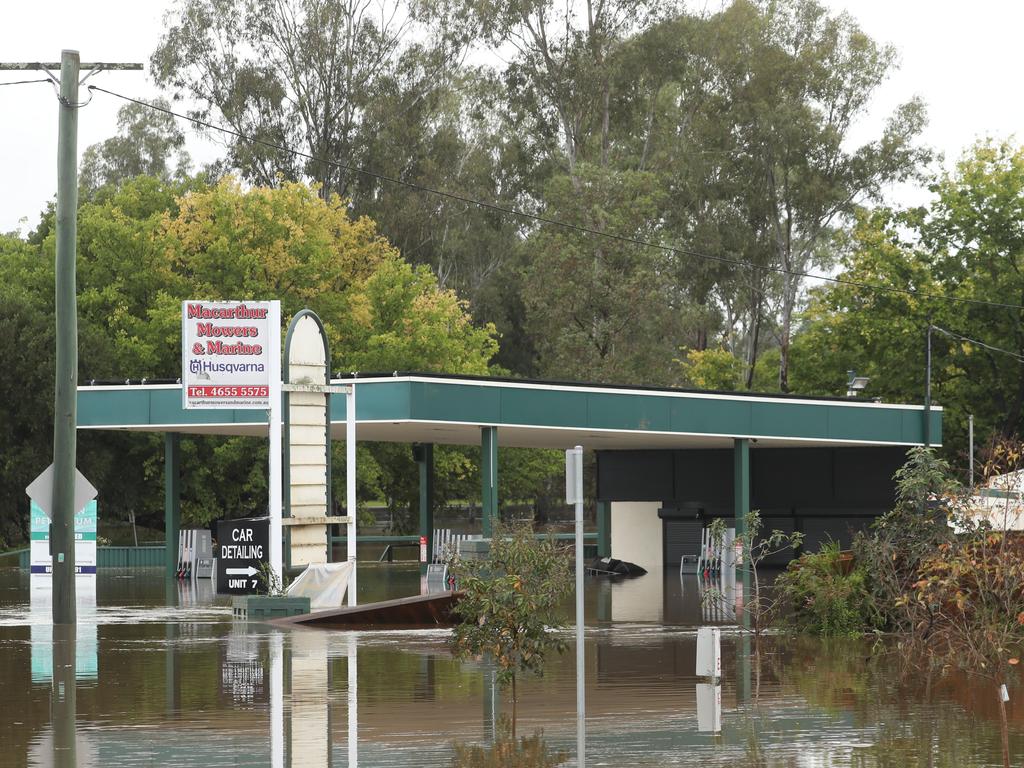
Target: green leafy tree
26,411
302,74
811,78
353,86
512,600
148,143
966,244
594,305
897,543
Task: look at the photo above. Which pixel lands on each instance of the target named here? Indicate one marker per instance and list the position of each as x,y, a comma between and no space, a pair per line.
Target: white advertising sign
226,353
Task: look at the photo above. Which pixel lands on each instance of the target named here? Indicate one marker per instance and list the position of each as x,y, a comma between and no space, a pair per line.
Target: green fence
119,557
131,557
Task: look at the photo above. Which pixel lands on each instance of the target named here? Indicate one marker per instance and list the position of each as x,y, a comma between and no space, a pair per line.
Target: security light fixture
855,384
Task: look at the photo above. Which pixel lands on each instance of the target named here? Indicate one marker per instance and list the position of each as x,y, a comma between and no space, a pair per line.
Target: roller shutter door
681,537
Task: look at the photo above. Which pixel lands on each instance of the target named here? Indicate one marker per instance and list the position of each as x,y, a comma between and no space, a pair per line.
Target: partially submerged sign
226,351
40,559
243,549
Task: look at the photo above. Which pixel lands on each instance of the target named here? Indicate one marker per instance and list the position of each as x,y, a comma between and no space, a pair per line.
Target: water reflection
709,707
41,618
59,745
506,751
184,685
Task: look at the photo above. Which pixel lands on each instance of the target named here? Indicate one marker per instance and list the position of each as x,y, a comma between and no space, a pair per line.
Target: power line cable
24,82
557,223
969,340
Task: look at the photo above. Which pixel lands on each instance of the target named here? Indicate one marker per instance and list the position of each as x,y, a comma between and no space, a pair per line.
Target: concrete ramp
416,612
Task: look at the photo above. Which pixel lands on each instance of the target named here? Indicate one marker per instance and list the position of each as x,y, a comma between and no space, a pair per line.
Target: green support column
604,529
172,501
741,504
489,477
424,455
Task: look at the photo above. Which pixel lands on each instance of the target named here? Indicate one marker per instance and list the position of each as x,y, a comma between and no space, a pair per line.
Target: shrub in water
826,595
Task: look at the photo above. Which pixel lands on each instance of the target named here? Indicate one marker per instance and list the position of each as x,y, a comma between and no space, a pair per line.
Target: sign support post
274,448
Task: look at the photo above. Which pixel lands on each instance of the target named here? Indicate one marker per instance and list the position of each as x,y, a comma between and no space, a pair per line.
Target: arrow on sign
250,571
40,491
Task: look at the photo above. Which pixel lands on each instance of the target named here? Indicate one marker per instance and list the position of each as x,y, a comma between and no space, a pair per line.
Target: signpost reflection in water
59,745
300,722
63,692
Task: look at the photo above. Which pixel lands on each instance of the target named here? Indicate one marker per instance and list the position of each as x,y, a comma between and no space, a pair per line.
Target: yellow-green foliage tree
288,243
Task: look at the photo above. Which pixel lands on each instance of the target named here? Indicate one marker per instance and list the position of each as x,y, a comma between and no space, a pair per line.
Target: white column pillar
350,486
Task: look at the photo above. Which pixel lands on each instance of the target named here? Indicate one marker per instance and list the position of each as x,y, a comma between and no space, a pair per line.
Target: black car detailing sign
243,550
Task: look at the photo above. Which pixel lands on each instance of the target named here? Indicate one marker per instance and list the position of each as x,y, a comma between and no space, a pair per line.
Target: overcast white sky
963,58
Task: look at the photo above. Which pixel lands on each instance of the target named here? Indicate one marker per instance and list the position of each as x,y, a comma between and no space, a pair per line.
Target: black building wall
823,492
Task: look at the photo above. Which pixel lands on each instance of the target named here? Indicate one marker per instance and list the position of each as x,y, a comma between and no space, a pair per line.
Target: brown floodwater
158,676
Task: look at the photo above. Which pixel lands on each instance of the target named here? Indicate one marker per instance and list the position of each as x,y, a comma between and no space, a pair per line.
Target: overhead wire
25,82
976,342
526,215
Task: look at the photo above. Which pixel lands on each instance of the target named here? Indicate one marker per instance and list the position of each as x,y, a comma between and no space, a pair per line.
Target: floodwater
164,677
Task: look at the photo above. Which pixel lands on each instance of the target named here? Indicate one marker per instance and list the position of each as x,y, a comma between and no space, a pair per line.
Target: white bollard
709,652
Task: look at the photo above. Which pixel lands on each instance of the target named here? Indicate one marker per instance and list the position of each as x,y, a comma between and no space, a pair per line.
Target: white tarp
323,583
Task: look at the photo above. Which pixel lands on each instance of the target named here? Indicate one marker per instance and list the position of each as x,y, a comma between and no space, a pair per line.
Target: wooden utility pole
65,410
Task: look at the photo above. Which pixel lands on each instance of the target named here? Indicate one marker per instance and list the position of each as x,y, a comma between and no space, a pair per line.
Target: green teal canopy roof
451,409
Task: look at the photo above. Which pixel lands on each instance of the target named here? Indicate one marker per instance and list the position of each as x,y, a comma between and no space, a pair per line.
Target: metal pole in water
574,491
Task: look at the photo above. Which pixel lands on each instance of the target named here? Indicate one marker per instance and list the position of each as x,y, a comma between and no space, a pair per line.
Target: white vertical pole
970,445
274,416
581,716
353,700
350,487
